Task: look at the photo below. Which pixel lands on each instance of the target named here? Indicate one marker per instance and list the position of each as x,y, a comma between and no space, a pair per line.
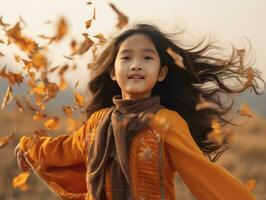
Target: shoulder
98,115
166,120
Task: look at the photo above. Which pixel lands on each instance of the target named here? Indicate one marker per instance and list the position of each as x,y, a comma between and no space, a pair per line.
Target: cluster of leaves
36,69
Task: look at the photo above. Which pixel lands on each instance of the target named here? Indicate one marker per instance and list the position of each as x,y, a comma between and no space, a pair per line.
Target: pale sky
226,21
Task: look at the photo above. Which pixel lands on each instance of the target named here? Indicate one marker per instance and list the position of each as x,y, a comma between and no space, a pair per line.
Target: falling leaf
216,134
79,99
101,38
39,60
5,25
19,105
245,111
17,58
63,84
68,110
20,181
51,91
2,41
24,43
6,139
39,116
94,14
62,29
52,123
85,45
177,58
122,19
88,23
7,98
68,57
250,184
1,54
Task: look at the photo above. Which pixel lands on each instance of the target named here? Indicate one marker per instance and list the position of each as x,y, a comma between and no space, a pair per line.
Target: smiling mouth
136,77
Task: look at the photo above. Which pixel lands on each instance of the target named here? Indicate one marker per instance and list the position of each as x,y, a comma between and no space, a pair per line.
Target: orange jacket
156,154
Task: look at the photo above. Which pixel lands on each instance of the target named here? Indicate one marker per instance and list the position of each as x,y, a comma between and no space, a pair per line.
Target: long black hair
183,88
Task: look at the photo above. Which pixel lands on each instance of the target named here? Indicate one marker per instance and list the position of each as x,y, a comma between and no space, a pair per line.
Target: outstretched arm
60,151
204,179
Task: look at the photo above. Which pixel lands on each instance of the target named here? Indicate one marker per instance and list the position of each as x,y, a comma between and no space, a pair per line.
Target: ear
112,75
162,74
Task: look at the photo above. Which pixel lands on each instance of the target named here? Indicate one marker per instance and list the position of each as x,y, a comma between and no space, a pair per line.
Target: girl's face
137,67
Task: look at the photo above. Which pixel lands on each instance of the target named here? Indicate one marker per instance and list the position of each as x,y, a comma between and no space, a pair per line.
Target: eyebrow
145,50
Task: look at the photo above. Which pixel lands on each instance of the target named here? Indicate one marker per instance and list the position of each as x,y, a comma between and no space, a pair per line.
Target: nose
136,66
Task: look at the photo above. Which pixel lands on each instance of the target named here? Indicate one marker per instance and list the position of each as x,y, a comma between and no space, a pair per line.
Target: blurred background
225,22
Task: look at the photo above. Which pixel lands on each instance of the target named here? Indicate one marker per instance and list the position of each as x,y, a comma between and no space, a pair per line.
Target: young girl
143,125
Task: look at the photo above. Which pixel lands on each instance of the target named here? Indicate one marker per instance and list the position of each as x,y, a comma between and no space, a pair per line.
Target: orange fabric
60,161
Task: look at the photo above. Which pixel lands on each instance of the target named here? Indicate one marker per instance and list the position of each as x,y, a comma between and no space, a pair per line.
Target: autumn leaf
1,54
79,99
84,46
88,23
250,184
216,134
62,29
13,78
39,116
68,110
39,60
177,58
101,38
17,58
19,105
6,139
63,84
52,123
24,43
51,91
20,181
245,111
5,25
7,98
122,19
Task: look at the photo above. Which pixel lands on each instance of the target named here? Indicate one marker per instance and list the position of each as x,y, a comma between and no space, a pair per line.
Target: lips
136,76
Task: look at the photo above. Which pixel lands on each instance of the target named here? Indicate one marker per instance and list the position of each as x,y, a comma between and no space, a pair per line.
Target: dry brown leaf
39,60
88,23
19,105
52,123
5,140
216,134
24,43
245,111
62,29
5,25
68,110
84,46
1,54
2,41
13,78
122,18
17,58
20,181
63,84
250,184
51,91
79,99
7,98
177,58
101,38
39,115
68,57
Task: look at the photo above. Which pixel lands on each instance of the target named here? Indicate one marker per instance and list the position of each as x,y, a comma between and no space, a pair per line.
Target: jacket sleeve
60,151
204,179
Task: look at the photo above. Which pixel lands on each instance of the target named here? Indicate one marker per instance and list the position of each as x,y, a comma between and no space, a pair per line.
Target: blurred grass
246,159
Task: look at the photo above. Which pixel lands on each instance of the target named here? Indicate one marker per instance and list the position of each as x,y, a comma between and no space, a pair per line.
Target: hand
22,163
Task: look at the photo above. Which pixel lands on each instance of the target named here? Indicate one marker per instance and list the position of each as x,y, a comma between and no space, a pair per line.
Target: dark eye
125,58
148,58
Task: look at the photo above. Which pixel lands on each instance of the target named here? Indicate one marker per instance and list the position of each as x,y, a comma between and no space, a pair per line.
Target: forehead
137,42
